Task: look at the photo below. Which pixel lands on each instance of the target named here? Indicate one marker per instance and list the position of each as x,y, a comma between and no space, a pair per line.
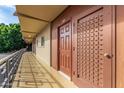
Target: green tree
10,37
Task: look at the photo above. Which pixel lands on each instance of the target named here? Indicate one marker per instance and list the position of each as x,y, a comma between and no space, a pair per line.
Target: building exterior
84,43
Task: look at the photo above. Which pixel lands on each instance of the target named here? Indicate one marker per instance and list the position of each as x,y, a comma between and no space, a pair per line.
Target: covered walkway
32,74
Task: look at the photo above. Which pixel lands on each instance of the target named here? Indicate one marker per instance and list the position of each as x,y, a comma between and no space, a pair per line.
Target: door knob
107,55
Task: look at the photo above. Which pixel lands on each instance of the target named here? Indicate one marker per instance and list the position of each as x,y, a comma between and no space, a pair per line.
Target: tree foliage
10,37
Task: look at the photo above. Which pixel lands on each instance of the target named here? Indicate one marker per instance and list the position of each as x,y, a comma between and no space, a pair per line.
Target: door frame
114,46
113,38
58,32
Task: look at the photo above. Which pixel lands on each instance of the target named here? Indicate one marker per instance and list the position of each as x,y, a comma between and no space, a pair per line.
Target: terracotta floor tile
32,75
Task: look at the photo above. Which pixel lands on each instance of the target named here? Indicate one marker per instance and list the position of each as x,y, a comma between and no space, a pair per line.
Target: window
37,42
42,41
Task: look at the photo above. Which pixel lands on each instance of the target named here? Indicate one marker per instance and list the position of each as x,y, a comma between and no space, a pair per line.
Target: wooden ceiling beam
31,17
29,32
27,37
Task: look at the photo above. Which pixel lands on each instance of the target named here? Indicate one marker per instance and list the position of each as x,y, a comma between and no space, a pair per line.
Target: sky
6,14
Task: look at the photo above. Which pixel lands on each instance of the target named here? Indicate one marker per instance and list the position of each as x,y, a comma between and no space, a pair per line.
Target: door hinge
73,48
73,72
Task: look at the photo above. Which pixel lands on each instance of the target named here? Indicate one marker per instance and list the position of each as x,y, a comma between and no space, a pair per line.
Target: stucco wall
43,52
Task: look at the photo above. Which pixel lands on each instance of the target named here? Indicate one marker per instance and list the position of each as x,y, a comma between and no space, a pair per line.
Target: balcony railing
8,68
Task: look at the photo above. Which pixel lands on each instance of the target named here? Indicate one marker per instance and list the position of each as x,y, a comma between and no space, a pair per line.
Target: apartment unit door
65,48
92,48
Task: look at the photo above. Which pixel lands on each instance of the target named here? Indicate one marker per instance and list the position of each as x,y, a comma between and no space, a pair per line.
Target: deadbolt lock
107,55
73,48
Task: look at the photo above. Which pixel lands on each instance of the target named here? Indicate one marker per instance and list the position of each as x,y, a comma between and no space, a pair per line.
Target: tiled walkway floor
31,74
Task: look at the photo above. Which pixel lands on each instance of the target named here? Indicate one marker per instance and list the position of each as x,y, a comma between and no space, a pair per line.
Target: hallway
31,74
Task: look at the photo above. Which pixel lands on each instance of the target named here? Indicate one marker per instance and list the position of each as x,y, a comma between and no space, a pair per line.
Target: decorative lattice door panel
92,49
65,48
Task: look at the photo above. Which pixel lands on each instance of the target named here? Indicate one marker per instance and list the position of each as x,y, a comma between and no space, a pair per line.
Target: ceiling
33,18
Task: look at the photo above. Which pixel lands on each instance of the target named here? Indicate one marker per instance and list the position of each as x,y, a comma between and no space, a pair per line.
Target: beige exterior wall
43,52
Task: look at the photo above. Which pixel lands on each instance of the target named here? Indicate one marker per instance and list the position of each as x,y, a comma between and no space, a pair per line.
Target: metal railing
8,68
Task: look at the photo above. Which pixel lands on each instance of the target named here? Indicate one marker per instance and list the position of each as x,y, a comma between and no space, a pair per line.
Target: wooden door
65,48
92,48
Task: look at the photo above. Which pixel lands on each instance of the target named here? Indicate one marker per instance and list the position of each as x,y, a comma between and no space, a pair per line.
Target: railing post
8,68
7,72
